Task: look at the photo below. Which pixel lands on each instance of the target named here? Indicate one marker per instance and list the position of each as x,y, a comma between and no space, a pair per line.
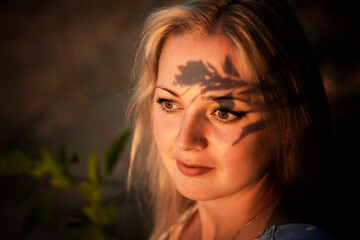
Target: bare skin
206,130
224,218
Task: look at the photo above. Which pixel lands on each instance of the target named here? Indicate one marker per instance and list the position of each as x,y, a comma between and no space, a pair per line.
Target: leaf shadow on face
207,77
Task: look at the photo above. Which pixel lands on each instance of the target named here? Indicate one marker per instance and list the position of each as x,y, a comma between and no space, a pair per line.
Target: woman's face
205,126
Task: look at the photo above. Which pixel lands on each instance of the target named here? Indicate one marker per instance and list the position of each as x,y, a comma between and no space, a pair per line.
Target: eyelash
237,114
161,102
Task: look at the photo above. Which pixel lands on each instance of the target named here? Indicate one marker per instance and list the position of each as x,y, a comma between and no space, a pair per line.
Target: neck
222,218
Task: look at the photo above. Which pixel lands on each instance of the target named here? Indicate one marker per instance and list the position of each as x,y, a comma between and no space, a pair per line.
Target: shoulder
295,231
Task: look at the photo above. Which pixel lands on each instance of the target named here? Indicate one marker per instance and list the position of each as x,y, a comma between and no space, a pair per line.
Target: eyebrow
217,98
206,98
168,90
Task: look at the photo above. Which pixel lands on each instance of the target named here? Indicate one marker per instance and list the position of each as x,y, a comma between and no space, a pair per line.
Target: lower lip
192,171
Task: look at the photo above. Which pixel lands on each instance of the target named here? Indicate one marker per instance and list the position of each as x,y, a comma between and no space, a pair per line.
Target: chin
196,196
201,193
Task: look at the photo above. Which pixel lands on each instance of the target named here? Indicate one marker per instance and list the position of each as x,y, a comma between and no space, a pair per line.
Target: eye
222,114
227,115
167,105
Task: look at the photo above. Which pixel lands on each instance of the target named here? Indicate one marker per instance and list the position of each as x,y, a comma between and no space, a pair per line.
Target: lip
192,170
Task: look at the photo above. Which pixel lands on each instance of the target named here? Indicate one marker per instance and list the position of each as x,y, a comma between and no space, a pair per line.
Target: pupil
223,115
169,105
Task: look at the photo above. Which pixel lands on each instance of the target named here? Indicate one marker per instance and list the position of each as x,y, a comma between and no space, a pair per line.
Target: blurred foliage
112,153
98,216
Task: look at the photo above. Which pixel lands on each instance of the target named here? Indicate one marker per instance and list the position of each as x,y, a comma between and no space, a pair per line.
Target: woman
230,121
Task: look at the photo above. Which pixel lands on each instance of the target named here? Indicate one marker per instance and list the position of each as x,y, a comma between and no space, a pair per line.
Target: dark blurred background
65,67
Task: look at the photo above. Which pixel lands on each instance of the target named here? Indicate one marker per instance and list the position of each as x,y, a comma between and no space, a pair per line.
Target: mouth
192,170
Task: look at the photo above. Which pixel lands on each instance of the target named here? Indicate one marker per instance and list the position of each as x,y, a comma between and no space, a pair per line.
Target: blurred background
64,70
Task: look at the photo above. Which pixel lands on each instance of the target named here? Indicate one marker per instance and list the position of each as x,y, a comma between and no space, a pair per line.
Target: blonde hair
286,82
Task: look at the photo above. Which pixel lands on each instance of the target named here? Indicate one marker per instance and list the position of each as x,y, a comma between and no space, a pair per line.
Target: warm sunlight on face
205,126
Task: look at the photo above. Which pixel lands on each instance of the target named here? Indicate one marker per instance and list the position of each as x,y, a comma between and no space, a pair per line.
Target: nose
191,134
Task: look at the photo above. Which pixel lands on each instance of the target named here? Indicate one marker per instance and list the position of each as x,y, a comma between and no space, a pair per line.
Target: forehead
187,58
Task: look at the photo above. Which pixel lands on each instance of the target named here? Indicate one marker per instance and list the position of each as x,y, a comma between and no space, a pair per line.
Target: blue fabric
295,231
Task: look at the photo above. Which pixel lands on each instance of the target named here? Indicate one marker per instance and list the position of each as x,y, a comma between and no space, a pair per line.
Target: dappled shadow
250,128
208,78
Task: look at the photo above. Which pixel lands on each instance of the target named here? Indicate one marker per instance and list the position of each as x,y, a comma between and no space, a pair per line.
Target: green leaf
60,177
112,154
15,162
39,170
38,214
94,170
92,212
91,192
110,226
53,164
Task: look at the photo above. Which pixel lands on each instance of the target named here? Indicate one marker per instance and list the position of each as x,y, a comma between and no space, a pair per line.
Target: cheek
157,130
239,156
163,130
238,146
224,142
